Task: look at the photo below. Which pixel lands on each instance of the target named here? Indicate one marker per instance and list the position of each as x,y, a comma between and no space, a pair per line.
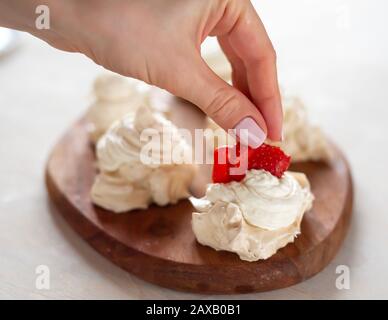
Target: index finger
250,42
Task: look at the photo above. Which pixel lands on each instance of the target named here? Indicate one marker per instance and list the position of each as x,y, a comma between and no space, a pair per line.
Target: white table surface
332,53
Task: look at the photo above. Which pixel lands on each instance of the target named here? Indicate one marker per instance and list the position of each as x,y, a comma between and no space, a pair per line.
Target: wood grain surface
158,244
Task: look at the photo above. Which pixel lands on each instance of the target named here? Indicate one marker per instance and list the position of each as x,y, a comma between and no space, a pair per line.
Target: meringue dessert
256,214
255,217
125,181
114,97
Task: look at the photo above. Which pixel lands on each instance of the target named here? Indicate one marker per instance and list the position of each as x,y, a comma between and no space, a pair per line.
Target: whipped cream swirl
125,181
254,217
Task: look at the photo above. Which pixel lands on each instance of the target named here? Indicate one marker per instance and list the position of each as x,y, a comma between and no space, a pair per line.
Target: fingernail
249,133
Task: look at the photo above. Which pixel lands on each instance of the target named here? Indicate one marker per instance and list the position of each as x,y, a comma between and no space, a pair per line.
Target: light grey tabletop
333,53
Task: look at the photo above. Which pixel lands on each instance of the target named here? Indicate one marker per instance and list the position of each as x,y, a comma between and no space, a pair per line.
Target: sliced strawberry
269,158
266,157
221,165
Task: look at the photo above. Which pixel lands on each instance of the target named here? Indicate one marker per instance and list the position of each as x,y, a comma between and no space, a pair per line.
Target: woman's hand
158,41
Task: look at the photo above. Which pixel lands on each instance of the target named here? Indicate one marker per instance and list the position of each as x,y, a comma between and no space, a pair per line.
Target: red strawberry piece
221,165
269,158
223,162
266,157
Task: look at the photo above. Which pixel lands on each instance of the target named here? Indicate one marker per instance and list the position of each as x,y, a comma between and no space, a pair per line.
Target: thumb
226,105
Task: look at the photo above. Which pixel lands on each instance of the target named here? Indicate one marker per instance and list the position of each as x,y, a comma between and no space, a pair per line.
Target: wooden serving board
158,244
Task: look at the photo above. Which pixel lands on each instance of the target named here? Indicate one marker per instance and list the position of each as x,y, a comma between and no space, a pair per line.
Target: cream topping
119,156
254,217
264,200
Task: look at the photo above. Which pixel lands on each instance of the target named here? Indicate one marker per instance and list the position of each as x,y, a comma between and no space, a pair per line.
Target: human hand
158,41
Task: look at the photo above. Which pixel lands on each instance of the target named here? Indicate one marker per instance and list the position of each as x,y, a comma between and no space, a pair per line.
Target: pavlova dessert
133,170
255,212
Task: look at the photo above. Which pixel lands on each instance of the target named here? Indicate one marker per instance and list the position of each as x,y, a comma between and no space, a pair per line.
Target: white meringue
254,217
125,181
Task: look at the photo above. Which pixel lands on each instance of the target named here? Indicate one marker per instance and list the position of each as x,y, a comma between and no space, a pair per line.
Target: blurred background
333,54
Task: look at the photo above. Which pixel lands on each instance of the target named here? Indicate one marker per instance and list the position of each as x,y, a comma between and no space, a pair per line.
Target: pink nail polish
249,133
